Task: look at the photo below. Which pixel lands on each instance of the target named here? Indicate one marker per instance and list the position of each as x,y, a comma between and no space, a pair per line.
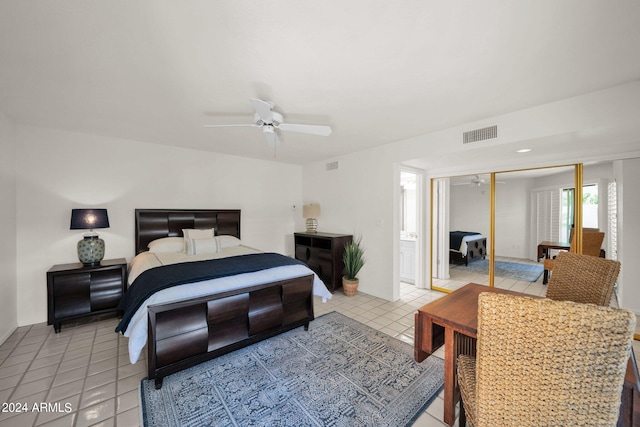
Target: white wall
470,208
628,176
512,218
58,171
8,289
356,199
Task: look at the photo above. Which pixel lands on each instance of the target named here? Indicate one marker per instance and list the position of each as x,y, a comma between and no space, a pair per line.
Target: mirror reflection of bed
523,219
531,206
467,234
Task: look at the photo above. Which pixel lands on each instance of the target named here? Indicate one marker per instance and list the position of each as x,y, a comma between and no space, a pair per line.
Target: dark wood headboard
154,224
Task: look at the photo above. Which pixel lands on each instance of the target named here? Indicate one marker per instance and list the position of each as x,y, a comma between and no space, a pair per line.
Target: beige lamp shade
311,211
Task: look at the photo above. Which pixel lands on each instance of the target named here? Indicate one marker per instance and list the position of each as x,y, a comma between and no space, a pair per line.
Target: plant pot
350,287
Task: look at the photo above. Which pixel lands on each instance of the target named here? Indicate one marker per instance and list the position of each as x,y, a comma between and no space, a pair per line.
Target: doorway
411,230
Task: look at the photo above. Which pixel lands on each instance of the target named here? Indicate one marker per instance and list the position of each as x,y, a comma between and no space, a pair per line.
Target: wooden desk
543,252
452,320
543,248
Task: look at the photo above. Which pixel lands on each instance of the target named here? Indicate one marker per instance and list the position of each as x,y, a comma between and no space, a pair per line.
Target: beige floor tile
95,414
100,379
24,390
98,395
127,401
75,363
59,409
64,421
69,376
130,418
66,390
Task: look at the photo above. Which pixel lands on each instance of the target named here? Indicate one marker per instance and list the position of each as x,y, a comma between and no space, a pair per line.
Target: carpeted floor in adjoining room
510,270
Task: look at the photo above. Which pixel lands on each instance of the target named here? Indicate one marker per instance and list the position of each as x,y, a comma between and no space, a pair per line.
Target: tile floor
84,374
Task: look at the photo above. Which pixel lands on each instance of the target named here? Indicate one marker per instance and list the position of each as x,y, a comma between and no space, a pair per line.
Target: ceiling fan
477,181
270,121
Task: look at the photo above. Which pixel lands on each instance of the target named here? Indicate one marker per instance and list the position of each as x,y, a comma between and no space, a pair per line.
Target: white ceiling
376,71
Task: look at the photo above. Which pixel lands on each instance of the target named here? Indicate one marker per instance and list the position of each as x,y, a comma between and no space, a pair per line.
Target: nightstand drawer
105,289
71,296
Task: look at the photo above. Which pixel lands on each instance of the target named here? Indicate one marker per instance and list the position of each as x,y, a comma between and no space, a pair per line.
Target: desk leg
422,345
418,354
449,377
428,337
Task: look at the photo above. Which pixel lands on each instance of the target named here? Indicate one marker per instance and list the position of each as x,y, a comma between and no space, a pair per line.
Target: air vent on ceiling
480,134
332,166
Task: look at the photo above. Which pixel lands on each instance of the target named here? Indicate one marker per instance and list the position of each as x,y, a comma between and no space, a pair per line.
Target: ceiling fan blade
263,109
253,125
310,129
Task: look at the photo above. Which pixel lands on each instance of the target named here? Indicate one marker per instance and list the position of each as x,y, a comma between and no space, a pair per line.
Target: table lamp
91,247
310,213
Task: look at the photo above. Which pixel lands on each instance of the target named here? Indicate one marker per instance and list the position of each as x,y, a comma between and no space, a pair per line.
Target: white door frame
420,231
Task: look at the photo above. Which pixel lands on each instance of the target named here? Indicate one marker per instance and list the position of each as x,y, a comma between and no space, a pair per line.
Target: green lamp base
91,250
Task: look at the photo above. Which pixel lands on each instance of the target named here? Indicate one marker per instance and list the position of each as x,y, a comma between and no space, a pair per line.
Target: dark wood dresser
75,290
322,252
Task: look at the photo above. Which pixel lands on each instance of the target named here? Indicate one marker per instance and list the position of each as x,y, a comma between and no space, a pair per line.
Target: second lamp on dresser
322,252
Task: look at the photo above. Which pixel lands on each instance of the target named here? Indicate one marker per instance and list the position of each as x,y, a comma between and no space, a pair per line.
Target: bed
197,297
467,246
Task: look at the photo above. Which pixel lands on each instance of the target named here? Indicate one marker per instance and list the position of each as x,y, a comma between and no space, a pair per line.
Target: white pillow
202,246
192,233
166,245
228,241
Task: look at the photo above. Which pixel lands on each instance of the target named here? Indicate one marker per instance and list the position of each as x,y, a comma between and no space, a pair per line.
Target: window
567,213
590,206
589,210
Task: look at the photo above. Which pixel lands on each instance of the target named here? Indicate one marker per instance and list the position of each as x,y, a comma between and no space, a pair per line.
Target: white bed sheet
137,329
466,240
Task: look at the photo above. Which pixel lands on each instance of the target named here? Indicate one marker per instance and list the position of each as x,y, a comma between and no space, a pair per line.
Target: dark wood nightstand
75,290
322,252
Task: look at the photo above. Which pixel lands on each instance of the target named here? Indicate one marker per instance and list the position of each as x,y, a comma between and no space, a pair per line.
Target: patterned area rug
511,270
339,373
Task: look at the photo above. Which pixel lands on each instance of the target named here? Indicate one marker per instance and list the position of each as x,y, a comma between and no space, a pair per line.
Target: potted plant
353,258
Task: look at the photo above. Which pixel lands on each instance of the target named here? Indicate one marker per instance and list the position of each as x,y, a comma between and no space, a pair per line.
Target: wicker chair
542,362
583,278
591,244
